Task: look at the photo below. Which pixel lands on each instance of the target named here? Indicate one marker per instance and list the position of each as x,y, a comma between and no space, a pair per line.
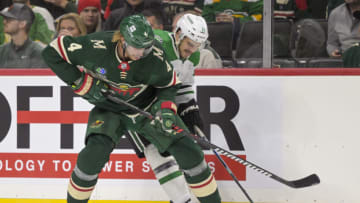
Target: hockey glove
90,88
190,115
165,115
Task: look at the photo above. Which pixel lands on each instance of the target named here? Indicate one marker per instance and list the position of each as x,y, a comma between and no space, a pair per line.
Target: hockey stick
201,134
310,180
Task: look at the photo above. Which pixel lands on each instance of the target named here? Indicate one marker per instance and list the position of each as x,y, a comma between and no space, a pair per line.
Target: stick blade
310,180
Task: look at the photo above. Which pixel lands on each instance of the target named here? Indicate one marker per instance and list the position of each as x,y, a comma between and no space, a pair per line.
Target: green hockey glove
90,88
165,115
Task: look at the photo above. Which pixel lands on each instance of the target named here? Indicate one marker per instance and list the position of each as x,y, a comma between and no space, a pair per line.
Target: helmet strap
124,45
179,40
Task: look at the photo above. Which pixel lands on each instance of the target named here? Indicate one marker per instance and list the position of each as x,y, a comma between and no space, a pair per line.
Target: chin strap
124,47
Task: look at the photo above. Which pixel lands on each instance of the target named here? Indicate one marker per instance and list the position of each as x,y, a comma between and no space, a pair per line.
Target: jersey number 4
74,46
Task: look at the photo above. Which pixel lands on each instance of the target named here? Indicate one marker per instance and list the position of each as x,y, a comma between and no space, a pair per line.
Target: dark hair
155,7
20,1
153,4
28,26
157,15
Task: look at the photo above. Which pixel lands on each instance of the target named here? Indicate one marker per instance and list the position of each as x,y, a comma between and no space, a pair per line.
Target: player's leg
191,160
89,163
169,176
188,155
165,168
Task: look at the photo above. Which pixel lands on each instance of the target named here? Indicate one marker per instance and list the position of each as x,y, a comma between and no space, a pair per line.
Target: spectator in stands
70,24
209,58
333,4
316,9
57,7
343,27
230,10
4,38
39,30
173,7
291,9
109,5
90,13
49,19
2,34
285,9
131,7
21,52
234,11
155,20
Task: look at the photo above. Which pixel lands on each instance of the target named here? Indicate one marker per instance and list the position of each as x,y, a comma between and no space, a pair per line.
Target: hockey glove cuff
165,112
90,88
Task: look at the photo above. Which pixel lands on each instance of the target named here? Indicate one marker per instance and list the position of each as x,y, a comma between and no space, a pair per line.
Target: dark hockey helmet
137,31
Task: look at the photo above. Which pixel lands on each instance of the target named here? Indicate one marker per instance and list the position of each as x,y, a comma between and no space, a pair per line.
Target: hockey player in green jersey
182,49
133,65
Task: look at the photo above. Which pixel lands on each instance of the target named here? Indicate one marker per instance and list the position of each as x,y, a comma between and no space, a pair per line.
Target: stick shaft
200,133
310,180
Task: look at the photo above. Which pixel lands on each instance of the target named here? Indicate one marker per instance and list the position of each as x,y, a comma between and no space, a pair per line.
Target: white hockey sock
169,175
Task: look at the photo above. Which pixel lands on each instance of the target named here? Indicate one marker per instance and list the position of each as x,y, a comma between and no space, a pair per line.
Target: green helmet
137,31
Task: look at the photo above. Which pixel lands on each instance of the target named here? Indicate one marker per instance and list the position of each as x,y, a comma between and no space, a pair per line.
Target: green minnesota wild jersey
138,82
184,68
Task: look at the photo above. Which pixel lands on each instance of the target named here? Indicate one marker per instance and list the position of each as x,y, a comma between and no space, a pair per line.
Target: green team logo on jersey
126,90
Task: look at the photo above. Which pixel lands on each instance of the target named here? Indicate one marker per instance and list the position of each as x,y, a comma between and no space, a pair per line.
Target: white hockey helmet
193,27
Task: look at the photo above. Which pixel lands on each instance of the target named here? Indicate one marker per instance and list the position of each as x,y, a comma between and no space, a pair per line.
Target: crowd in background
327,29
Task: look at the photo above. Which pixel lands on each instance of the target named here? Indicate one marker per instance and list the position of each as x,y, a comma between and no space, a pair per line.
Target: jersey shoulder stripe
58,45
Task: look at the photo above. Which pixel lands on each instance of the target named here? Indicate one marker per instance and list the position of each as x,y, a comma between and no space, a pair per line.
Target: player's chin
186,54
134,58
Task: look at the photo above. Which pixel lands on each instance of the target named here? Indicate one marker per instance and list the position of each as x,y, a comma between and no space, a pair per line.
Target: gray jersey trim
84,176
164,166
197,169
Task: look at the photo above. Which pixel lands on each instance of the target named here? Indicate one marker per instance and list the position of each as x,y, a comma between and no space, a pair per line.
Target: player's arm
188,108
164,77
165,81
61,56
56,55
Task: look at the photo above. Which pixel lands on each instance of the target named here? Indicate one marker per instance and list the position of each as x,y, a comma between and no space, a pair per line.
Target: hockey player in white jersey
182,49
